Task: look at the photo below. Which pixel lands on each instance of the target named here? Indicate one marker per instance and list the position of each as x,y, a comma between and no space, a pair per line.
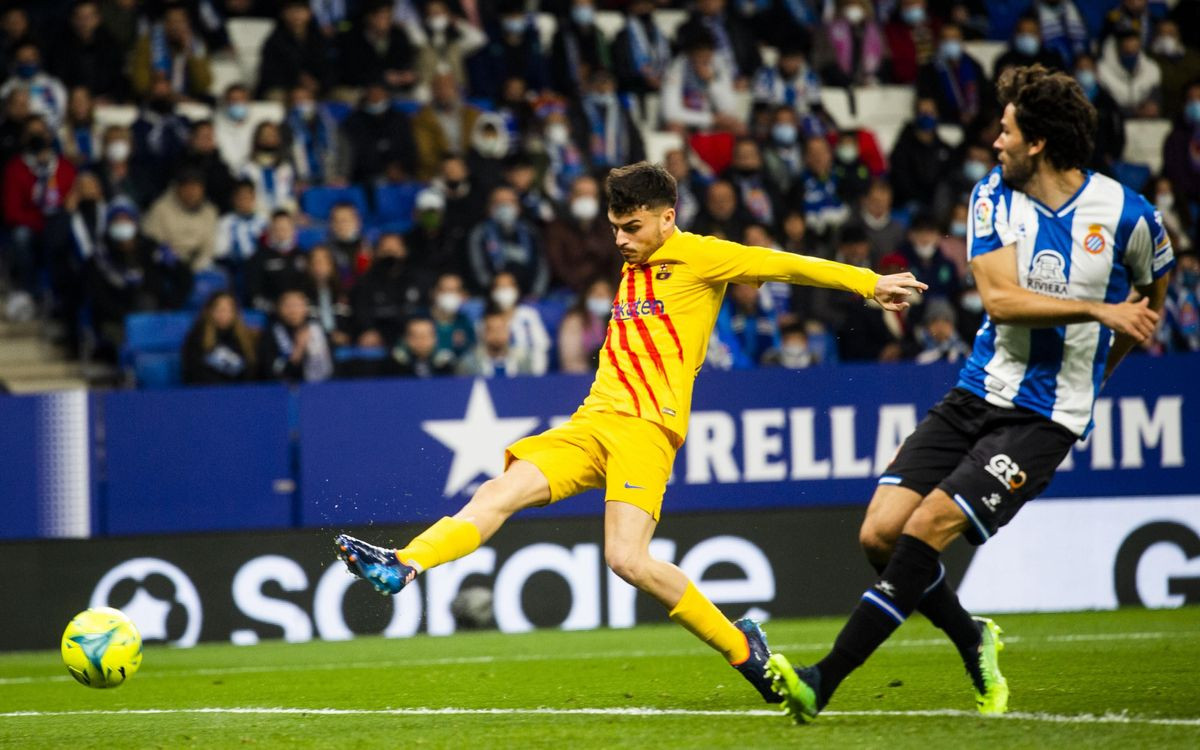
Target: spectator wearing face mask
444,42
505,242
1025,48
434,245
312,139
641,51
955,80
793,352
36,184
1176,214
853,49
270,169
233,130
527,332
1181,152
584,327
874,216
130,273
937,337
220,347
1179,65
1131,76
565,161
515,51
579,246
850,172
387,294
277,265
351,251
579,49
1110,123
601,125
698,88
924,259
122,176
374,135
972,165
912,39
160,136
953,244
455,331
294,348
47,95
490,145
783,158
790,83
920,157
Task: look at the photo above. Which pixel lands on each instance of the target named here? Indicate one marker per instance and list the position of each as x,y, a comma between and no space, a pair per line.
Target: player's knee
876,542
629,565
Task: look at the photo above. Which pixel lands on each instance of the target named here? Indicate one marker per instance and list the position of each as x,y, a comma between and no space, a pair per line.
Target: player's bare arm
1006,301
1152,296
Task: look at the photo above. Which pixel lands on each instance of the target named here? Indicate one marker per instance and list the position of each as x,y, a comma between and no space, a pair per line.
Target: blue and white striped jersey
1103,241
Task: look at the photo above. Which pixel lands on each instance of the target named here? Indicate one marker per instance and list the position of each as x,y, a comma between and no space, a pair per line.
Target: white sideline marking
616,711
582,656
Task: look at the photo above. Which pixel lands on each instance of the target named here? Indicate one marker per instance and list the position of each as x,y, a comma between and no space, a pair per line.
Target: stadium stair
30,363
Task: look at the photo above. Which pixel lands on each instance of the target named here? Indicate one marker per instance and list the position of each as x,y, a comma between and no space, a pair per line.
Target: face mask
784,133
913,15
1087,79
513,26
346,235
161,106
846,152
122,231
117,151
237,111
266,156
27,70
305,110
958,229
439,22
1190,279
490,147
557,133
854,14
926,122
1191,111
376,108
429,220
1027,44
448,302
974,170
971,302
505,297
583,15
925,252
794,356
505,215
37,144
951,50
1128,62
599,307
1168,46
602,100
585,208
1164,202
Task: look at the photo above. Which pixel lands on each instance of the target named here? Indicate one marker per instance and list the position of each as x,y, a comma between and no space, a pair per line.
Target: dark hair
243,184
637,186
924,220
852,234
1051,107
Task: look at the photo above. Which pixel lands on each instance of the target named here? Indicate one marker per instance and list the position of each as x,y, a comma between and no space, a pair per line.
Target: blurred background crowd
229,190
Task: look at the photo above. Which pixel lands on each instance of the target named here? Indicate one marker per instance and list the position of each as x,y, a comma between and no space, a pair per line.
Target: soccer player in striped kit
1056,252
625,435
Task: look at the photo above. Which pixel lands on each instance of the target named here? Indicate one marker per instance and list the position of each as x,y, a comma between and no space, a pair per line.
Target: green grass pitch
1126,679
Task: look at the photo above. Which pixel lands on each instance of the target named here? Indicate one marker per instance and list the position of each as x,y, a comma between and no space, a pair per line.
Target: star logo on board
478,439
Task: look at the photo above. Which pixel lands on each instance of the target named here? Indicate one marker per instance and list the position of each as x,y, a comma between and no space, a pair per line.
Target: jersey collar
1069,206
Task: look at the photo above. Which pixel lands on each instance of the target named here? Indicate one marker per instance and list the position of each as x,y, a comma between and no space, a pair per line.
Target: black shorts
989,459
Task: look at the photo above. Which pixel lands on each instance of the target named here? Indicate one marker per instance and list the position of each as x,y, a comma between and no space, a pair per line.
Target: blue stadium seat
394,206
318,201
337,110
368,353
157,331
204,285
552,311
256,319
310,236
408,106
1132,176
157,369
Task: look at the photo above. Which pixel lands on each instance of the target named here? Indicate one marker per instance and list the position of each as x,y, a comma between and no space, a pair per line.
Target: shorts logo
992,500
1094,242
984,211
886,588
1007,471
1048,274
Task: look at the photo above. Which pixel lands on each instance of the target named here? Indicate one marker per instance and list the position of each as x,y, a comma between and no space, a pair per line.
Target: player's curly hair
1051,107
637,186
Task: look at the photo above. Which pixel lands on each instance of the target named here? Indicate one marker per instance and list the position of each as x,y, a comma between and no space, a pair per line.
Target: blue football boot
754,668
376,565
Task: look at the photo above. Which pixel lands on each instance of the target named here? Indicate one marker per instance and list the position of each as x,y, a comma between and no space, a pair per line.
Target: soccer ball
101,647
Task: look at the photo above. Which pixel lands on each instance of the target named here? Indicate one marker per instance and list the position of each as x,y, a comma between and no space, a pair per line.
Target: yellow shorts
630,457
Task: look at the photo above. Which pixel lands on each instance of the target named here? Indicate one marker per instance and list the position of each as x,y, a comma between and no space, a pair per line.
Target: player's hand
892,291
1134,319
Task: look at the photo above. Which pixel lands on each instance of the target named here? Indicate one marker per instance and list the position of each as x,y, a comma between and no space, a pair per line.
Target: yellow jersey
665,310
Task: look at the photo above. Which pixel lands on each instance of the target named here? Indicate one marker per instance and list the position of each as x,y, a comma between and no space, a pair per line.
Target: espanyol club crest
1094,241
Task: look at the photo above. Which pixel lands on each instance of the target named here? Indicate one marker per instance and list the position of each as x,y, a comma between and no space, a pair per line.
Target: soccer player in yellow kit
625,435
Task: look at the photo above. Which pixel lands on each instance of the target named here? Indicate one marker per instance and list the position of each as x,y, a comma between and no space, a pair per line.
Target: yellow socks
446,540
700,616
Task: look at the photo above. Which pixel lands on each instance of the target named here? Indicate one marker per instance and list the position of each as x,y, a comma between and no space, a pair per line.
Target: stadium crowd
413,187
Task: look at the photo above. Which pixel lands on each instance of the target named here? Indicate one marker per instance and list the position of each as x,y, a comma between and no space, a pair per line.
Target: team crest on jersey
984,212
1094,242
1048,274
664,272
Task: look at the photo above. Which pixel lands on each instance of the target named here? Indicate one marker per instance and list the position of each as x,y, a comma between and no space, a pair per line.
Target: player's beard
1019,170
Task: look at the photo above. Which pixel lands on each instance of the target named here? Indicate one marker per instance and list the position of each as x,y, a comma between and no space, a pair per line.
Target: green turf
1141,664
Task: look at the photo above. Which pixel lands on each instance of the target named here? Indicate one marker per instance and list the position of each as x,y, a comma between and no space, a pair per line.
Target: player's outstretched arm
892,291
1006,301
